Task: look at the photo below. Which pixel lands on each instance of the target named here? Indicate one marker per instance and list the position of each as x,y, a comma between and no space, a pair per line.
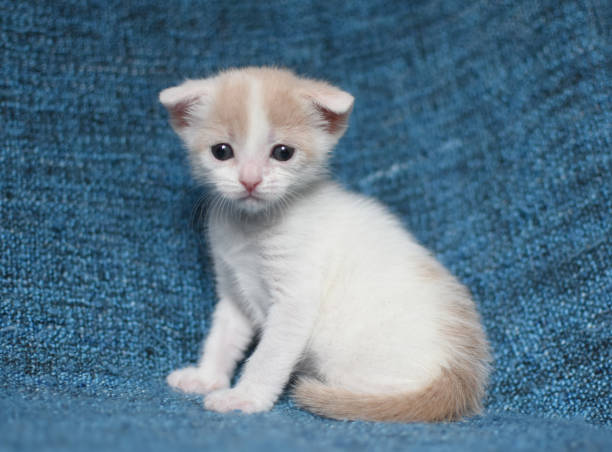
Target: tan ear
180,100
333,104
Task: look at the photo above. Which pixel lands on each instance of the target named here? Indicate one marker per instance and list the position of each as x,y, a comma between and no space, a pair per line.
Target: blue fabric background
486,125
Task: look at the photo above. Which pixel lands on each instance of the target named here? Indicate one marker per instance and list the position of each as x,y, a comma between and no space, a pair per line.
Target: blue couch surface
484,124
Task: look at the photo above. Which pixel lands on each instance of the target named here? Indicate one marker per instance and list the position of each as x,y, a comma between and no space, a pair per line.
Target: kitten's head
257,135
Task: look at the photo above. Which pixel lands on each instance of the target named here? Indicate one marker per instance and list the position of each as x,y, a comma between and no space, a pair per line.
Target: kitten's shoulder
333,194
331,200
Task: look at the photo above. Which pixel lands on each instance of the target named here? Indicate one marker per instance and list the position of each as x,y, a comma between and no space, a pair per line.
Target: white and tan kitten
338,292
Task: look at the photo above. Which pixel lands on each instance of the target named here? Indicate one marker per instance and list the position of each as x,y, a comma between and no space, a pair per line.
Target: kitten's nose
250,184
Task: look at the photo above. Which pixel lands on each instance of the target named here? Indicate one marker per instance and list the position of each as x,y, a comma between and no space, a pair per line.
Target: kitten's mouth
251,203
250,197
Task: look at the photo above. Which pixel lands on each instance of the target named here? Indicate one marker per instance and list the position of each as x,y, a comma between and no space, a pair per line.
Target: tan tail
453,395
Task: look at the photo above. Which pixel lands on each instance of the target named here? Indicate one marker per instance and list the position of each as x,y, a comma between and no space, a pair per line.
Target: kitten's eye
282,153
222,151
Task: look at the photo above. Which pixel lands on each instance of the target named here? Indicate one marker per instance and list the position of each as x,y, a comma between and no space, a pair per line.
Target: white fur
324,275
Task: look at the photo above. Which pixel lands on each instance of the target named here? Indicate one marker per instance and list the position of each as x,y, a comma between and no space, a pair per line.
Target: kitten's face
257,136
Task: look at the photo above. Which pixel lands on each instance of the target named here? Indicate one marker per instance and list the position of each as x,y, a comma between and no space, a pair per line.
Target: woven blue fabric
485,125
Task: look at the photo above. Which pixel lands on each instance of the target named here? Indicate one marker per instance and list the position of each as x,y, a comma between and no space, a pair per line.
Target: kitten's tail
451,396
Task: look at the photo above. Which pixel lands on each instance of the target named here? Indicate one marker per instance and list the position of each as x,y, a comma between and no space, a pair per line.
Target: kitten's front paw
195,380
247,401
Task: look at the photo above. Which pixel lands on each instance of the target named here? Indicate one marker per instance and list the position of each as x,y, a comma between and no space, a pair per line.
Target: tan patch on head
230,108
283,109
286,114
289,119
295,117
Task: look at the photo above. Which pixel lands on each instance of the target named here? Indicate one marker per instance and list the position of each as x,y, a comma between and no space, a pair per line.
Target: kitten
339,293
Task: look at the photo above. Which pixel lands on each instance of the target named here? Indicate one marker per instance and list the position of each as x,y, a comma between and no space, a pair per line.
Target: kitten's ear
180,100
333,105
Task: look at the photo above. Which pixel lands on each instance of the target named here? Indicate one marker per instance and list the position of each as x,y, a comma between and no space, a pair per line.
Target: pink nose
250,185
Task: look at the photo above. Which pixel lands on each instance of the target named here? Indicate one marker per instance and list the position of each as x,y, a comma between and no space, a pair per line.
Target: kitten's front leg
282,343
229,336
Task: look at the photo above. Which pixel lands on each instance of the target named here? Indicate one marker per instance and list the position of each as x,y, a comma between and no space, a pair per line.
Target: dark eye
222,151
282,153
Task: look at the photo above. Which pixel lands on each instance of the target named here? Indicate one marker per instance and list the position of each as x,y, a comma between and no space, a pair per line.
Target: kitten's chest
244,258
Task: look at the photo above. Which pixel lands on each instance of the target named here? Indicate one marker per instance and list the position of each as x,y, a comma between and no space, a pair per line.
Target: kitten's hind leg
229,336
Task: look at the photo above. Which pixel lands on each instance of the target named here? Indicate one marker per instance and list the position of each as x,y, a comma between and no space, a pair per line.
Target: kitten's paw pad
195,380
226,400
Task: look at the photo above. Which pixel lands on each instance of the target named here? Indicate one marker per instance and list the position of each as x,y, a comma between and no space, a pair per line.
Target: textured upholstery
485,125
